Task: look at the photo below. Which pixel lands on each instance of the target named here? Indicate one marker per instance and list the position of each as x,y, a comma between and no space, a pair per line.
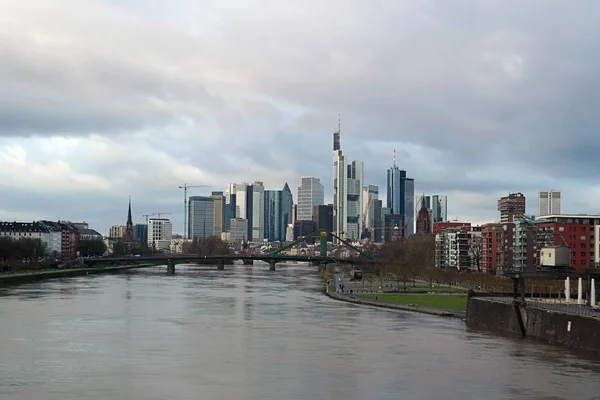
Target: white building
116,231
310,193
339,193
370,196
549,202
354,196
160,233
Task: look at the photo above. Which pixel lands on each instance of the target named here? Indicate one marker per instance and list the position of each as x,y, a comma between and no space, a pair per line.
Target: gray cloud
480,98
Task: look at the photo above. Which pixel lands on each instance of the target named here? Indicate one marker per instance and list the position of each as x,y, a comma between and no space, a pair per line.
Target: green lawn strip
443,301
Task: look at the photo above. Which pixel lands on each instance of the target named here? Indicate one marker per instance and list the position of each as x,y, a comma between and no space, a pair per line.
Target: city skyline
76,138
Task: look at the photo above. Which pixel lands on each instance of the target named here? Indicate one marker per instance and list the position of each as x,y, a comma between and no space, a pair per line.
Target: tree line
406,262
24,250
210,246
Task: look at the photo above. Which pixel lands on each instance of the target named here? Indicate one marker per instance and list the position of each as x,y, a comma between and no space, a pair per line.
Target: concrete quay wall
550,326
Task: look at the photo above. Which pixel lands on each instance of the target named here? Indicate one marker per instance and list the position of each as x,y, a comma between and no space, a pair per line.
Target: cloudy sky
100,100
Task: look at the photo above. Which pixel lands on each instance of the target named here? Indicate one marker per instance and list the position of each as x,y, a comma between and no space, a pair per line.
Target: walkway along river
247,333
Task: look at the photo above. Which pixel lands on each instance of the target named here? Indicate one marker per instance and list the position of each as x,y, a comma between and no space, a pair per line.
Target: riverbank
28,277
395,306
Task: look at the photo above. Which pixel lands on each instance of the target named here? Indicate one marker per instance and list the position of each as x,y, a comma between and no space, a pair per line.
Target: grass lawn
456,302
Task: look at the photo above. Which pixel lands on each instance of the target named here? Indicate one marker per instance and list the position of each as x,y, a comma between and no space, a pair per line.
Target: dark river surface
247,333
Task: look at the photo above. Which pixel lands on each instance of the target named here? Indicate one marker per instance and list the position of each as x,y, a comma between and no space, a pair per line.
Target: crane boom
185,187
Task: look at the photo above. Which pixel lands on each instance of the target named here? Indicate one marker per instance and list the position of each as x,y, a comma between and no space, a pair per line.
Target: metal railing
557,305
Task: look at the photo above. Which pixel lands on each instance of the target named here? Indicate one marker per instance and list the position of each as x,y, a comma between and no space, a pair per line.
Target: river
247,333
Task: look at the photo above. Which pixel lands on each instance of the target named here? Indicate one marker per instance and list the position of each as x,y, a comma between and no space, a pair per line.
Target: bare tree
475,245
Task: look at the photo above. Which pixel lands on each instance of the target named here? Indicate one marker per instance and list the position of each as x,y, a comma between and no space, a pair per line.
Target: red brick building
575,236
492,239
440,226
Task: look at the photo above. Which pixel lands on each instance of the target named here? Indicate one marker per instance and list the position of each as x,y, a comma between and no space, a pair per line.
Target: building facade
310,193
370,198
258,212
201,217
511,207
354,203
492,238
275,215
323,219
219,217
549,202
339,189
160,233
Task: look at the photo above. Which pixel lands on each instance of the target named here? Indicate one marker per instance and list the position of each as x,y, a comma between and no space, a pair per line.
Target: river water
247,333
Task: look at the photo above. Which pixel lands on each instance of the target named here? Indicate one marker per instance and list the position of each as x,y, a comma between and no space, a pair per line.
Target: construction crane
159,214
185,188
148,215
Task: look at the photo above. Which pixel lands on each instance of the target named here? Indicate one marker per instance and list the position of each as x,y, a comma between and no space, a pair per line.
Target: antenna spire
394,158
339,123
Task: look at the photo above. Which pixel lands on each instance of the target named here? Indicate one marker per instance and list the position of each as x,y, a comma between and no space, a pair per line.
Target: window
583,254
583,245
561,228
583,238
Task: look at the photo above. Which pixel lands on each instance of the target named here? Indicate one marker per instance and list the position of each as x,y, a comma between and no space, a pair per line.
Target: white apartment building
160,233
310,193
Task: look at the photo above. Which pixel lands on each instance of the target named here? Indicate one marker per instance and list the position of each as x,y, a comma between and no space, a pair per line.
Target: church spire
128,234
129,220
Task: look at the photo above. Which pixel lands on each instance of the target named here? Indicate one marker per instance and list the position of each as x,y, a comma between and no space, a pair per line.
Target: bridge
272,258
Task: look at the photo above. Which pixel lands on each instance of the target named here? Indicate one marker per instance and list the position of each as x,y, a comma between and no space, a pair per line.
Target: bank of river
28,277
395,306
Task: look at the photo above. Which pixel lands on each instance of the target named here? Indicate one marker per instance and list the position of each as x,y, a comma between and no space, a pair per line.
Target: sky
102,100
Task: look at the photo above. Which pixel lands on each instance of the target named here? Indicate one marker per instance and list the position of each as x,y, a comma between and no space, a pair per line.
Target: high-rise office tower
339,186
401,198
288,204
394,198
275,220
258,211
370,197
354,204
201,217
549,202
439,207
220,225
310,193
244,205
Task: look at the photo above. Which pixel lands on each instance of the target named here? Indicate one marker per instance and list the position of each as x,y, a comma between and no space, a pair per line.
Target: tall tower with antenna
339,185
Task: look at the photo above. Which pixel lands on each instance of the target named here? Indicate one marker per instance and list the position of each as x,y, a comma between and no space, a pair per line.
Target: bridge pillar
272,265
170,267
220,264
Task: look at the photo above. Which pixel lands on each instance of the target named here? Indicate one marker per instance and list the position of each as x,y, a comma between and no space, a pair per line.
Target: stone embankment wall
576,331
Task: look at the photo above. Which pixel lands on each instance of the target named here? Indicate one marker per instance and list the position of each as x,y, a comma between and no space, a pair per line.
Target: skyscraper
310,193
201,211
258,211
549,202
370,197
288,204
354,204
394,177
220,225
439,207
274,216
339,186
401,198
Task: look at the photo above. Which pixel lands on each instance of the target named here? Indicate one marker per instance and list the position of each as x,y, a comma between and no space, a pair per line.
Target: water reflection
247,333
